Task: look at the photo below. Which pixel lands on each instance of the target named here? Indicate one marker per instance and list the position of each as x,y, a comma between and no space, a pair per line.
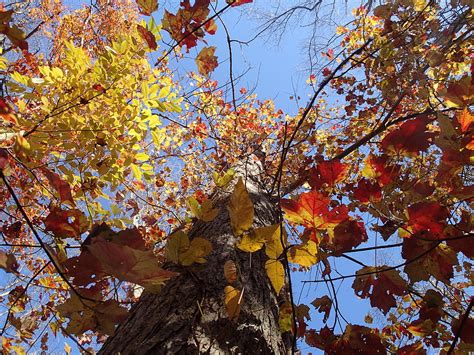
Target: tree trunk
188,316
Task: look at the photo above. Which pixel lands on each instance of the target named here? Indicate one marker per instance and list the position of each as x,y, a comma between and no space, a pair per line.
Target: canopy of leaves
107,158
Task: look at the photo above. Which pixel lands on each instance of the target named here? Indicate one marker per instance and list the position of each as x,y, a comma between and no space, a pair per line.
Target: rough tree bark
188,315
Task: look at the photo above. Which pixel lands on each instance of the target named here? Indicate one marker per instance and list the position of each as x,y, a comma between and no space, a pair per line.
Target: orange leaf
206,61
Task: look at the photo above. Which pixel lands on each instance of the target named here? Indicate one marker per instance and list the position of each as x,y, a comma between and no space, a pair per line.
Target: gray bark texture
188,316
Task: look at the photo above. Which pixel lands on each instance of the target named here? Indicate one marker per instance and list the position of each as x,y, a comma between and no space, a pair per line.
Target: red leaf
211,27
465,118
61,186
327,174
345,236
409,138
467,332
3,158
427,219
367,191
311,210
66,223
380,287
148,37
6,112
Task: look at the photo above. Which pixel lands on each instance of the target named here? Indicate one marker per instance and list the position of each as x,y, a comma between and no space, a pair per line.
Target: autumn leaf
276,274
323,304
6,113
230,271
410,138
344,237
427,219
254,240
61,186
465,118
148,36
428,259
8,262
311,210
147,6
327,173
367,191
241,211
129,264
380,285
204,211
305,254
232,301
206,61
66,223
181,250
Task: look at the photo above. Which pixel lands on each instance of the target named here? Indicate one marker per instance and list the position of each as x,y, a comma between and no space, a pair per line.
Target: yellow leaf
67,349
204,212
304,254
136,172
274,246
208,213
241,210
142,156
177,244
232,300
180,250
198,249
276,274
255,240
222,181
285,318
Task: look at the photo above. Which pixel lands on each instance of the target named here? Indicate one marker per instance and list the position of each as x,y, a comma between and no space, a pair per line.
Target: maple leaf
438,260
66,223
427,218
323,304
345,236
311,210
327,173
61,186
148,36
467,332
409,138
206,61
147,6
378,168
129,264
367,191
380,287
465,118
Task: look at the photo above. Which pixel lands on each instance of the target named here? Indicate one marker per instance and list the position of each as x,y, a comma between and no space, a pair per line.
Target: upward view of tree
147,208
